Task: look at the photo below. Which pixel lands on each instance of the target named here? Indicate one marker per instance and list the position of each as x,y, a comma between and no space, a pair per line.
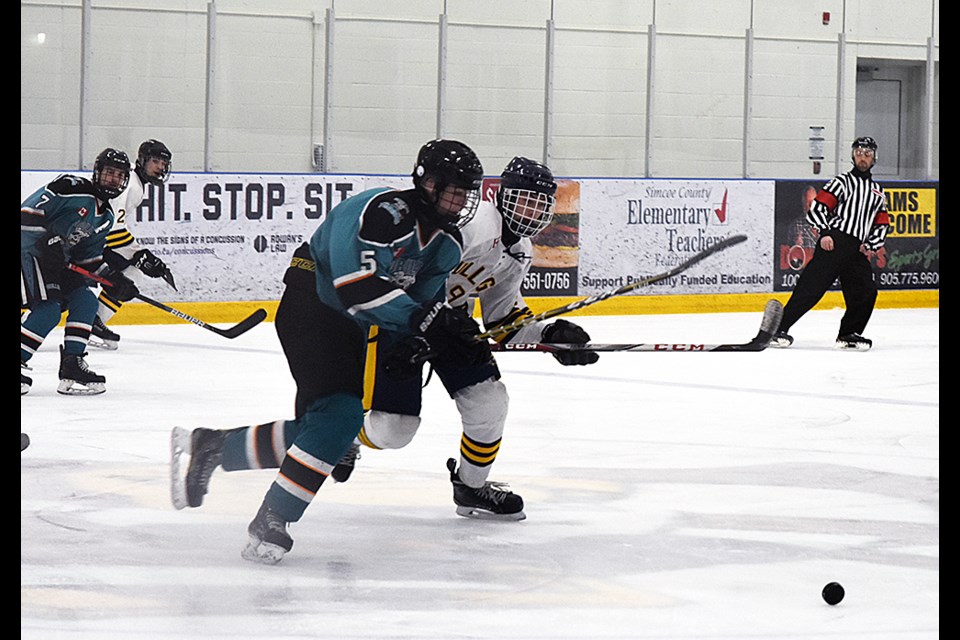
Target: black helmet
153,149
864,142
526,196
449,162
110,158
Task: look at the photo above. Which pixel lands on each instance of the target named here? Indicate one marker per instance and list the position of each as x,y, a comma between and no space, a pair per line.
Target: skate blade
262,552
482,514
24,389
853,347
179,450
106,345
74,388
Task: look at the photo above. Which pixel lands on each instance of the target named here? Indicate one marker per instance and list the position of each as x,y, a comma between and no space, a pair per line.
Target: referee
850,216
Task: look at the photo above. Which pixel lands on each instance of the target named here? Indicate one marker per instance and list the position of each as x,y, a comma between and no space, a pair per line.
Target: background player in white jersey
497,255
124,253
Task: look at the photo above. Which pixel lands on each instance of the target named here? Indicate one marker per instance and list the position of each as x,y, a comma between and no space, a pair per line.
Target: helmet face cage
450,164
449,199
526,196
117,160
154,149
525,212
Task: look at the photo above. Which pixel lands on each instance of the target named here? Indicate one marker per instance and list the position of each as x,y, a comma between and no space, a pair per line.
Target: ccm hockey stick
768,326
579,304
240,328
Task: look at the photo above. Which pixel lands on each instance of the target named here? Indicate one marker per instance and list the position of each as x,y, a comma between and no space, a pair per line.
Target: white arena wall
605,88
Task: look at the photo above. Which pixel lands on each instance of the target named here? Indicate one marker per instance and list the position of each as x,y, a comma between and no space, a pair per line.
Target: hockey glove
152,266
121,288
451,334
563,332
405,359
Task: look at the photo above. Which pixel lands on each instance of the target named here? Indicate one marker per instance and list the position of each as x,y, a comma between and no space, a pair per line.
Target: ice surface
669,495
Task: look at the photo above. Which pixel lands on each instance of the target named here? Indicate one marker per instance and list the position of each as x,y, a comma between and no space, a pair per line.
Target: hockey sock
327,431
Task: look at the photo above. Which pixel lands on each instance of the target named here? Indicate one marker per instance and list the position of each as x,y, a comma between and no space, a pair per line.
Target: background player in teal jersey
64,222
381,258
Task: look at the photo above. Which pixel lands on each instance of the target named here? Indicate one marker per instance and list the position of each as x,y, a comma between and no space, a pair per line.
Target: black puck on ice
832,593
24,441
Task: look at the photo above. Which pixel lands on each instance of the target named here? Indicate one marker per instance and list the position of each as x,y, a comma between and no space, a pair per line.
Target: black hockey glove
121,288
152,266
564,332
405,358
451,334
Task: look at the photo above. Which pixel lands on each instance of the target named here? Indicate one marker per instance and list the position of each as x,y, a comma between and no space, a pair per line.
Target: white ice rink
669,495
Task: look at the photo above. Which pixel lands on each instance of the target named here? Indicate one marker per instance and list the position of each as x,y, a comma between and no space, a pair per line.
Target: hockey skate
492,501
205,447
25,381
854,341
76,378
341,472
269,540
102,337
781,340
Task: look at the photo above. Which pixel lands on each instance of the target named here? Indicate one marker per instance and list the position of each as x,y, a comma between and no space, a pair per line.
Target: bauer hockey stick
579,304
240,328
768,326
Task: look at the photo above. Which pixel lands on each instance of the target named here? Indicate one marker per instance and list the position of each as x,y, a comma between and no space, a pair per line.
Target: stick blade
244,325
772,315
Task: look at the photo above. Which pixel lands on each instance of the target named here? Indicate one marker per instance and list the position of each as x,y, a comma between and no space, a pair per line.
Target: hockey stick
240,328
768,326
579,304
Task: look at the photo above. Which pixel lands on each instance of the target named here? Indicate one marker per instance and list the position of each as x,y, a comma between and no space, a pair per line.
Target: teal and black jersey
379,261
66,212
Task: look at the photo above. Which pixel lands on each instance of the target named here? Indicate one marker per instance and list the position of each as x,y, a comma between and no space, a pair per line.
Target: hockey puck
832,593
24,441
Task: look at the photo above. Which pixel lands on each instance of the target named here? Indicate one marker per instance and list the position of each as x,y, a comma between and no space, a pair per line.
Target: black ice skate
781,339
269,540
102,337
206,454
205,447
492,501
76,378
341,472
854,341
25,381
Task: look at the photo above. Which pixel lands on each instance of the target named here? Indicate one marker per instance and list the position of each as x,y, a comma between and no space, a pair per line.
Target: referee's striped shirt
854,204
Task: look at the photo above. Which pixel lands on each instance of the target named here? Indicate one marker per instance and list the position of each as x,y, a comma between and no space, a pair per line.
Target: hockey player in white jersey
123,252
497,255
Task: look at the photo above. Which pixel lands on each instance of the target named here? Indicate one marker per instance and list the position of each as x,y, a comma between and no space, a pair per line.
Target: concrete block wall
147,76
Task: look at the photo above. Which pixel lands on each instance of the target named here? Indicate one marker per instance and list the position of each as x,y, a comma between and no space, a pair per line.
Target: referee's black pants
848,265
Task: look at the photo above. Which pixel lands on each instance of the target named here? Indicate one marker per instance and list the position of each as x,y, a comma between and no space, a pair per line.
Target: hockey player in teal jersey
66,222
379,258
